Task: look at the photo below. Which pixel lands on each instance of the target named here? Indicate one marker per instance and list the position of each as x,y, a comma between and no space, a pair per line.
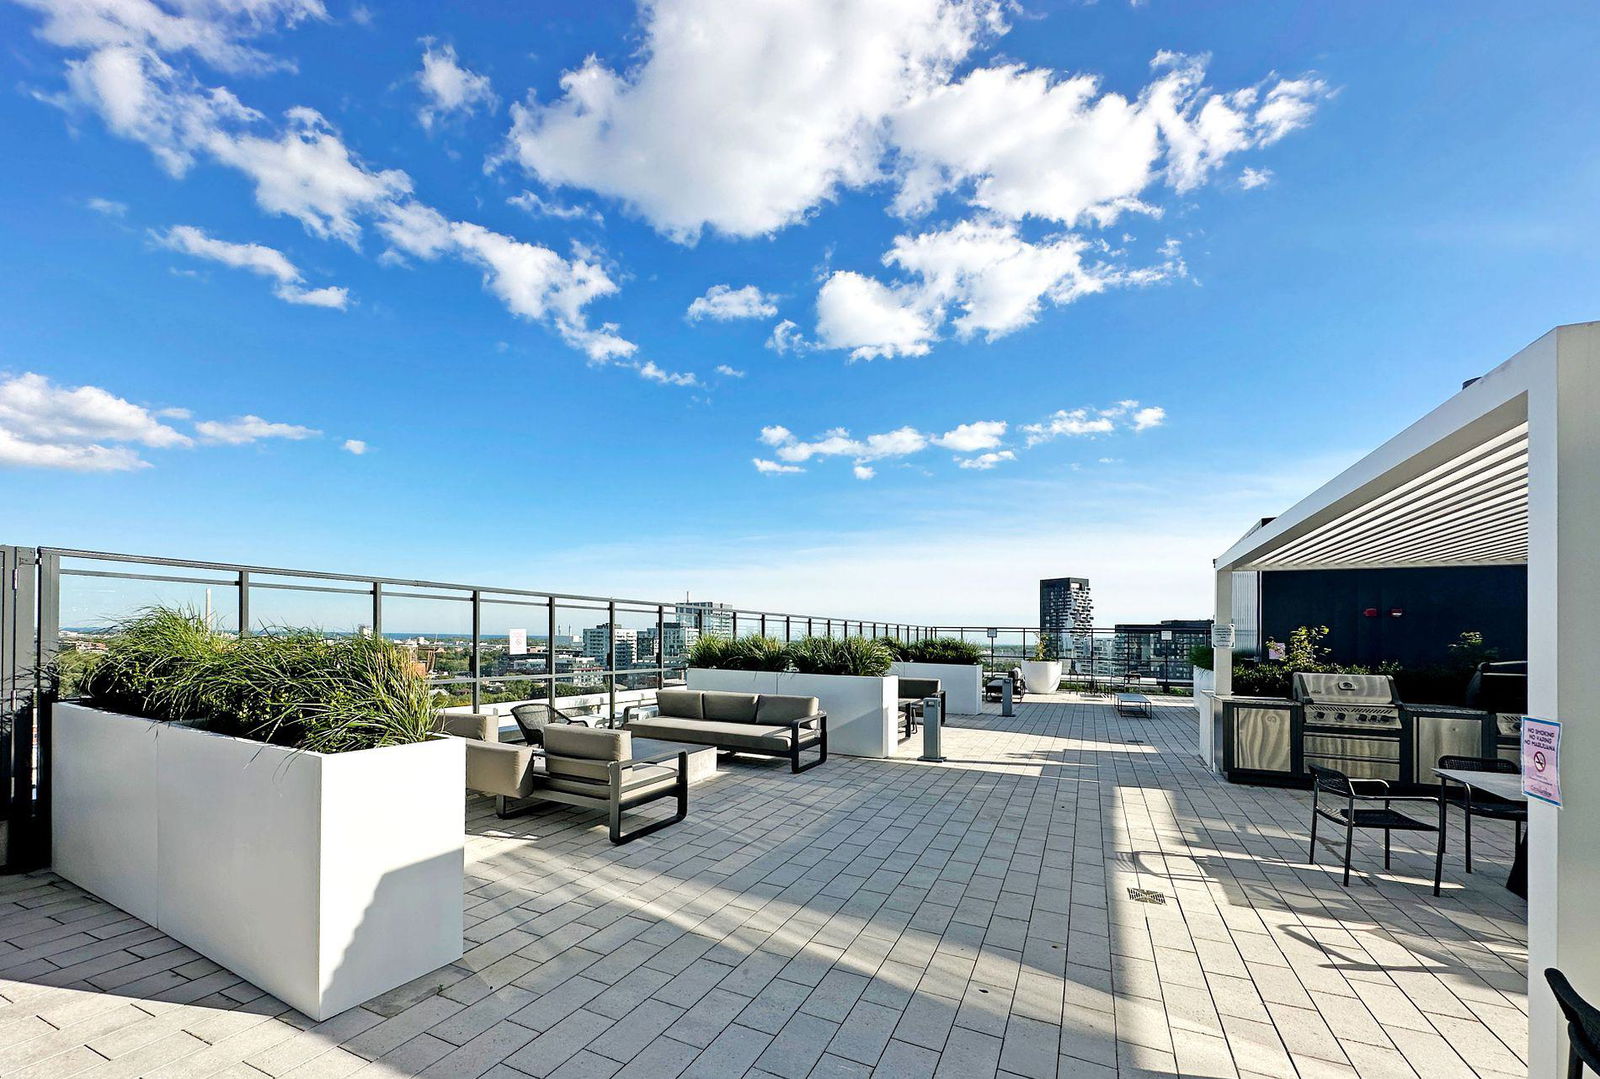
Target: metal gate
27,618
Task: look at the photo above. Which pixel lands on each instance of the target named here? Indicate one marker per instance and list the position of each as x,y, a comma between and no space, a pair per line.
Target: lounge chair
994,688
913,692
578,766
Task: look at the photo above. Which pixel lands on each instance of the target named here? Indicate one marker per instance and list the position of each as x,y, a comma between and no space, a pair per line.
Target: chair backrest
1330,779
533,718
919,687
1016,675
1583,1018
573,752
1478,764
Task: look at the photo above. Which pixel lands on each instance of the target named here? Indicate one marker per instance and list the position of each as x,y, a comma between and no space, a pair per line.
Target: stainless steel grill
1352,723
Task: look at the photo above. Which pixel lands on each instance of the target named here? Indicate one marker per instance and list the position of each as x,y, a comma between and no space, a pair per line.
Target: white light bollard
932,730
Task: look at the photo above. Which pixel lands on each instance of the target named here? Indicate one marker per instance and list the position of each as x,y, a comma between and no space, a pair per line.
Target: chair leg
1386,833
1469,840
1438,858
1349,842
1312,855
1574,1063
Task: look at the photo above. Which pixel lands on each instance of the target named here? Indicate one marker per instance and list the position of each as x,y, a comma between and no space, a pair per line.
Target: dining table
1507,785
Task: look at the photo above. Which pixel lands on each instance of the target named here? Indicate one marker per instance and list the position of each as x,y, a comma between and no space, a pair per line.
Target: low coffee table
702,759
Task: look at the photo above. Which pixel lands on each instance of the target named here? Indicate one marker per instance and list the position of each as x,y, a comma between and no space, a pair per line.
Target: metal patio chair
1476,803
1331,781
1583,1025
534,716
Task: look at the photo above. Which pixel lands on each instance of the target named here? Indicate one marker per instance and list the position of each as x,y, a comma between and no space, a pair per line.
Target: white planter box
1042,675
861,710
1204,680
324,879
962,683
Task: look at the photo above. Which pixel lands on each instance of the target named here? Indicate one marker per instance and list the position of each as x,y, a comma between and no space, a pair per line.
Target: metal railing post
611,638
377,609
244,603
477,647
550,652
661,647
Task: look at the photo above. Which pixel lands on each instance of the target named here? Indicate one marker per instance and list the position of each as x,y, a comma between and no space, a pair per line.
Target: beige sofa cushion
780,708
471,725
494,768
706,732
682,703
637,782
582,753
728,707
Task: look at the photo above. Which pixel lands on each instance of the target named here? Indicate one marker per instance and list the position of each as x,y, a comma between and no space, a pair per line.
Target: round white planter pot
1042,675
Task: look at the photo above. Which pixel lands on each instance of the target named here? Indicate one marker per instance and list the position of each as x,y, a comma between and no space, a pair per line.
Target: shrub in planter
943,650
294,688
849,655
752,653
1203,656
897,648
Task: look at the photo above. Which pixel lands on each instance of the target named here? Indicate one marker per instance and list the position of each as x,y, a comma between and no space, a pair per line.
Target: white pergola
1505,472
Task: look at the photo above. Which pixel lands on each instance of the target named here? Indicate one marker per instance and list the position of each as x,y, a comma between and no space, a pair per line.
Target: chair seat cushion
706,732
637,781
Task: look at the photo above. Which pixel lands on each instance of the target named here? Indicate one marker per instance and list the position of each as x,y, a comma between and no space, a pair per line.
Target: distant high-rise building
709,619
1066,614
613,643
1159,650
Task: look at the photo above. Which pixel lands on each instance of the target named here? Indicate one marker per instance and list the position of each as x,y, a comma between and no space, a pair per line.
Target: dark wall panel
1438,604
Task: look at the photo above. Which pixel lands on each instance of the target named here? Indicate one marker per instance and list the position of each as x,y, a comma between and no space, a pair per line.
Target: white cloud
1080,422
302,168
773,467
872,320
724,303
1250,178
743,117
900,442
540,207
786,337
355,446
43,425
730,372
986,461
214,31
649,370
448,87
864,472
328,296
970,437
254,258
108,207
245,429
1146,418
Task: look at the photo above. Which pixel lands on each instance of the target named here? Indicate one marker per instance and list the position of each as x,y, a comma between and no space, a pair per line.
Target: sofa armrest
501,768
631,712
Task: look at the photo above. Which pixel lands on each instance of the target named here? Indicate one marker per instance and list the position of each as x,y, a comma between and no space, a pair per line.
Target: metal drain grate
1145,895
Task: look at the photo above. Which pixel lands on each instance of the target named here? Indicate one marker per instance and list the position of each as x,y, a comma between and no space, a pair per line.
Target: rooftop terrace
1071,894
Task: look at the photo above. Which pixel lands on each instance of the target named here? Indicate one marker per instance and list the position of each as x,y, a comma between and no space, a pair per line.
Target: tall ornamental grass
294,688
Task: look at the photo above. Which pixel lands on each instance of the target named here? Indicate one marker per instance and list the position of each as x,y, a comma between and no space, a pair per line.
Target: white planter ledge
324,879
861,710
962,683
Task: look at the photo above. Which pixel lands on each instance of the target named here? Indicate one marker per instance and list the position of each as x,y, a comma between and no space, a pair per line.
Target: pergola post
1222,665
1564,679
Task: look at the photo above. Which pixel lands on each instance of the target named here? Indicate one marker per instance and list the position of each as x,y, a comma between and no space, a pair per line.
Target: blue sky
1192,257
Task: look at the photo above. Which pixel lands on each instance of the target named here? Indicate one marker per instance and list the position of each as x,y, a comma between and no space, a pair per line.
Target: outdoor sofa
766,724
592,769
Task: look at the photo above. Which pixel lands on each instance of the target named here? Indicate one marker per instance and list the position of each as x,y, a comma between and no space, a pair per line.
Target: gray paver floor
867,917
